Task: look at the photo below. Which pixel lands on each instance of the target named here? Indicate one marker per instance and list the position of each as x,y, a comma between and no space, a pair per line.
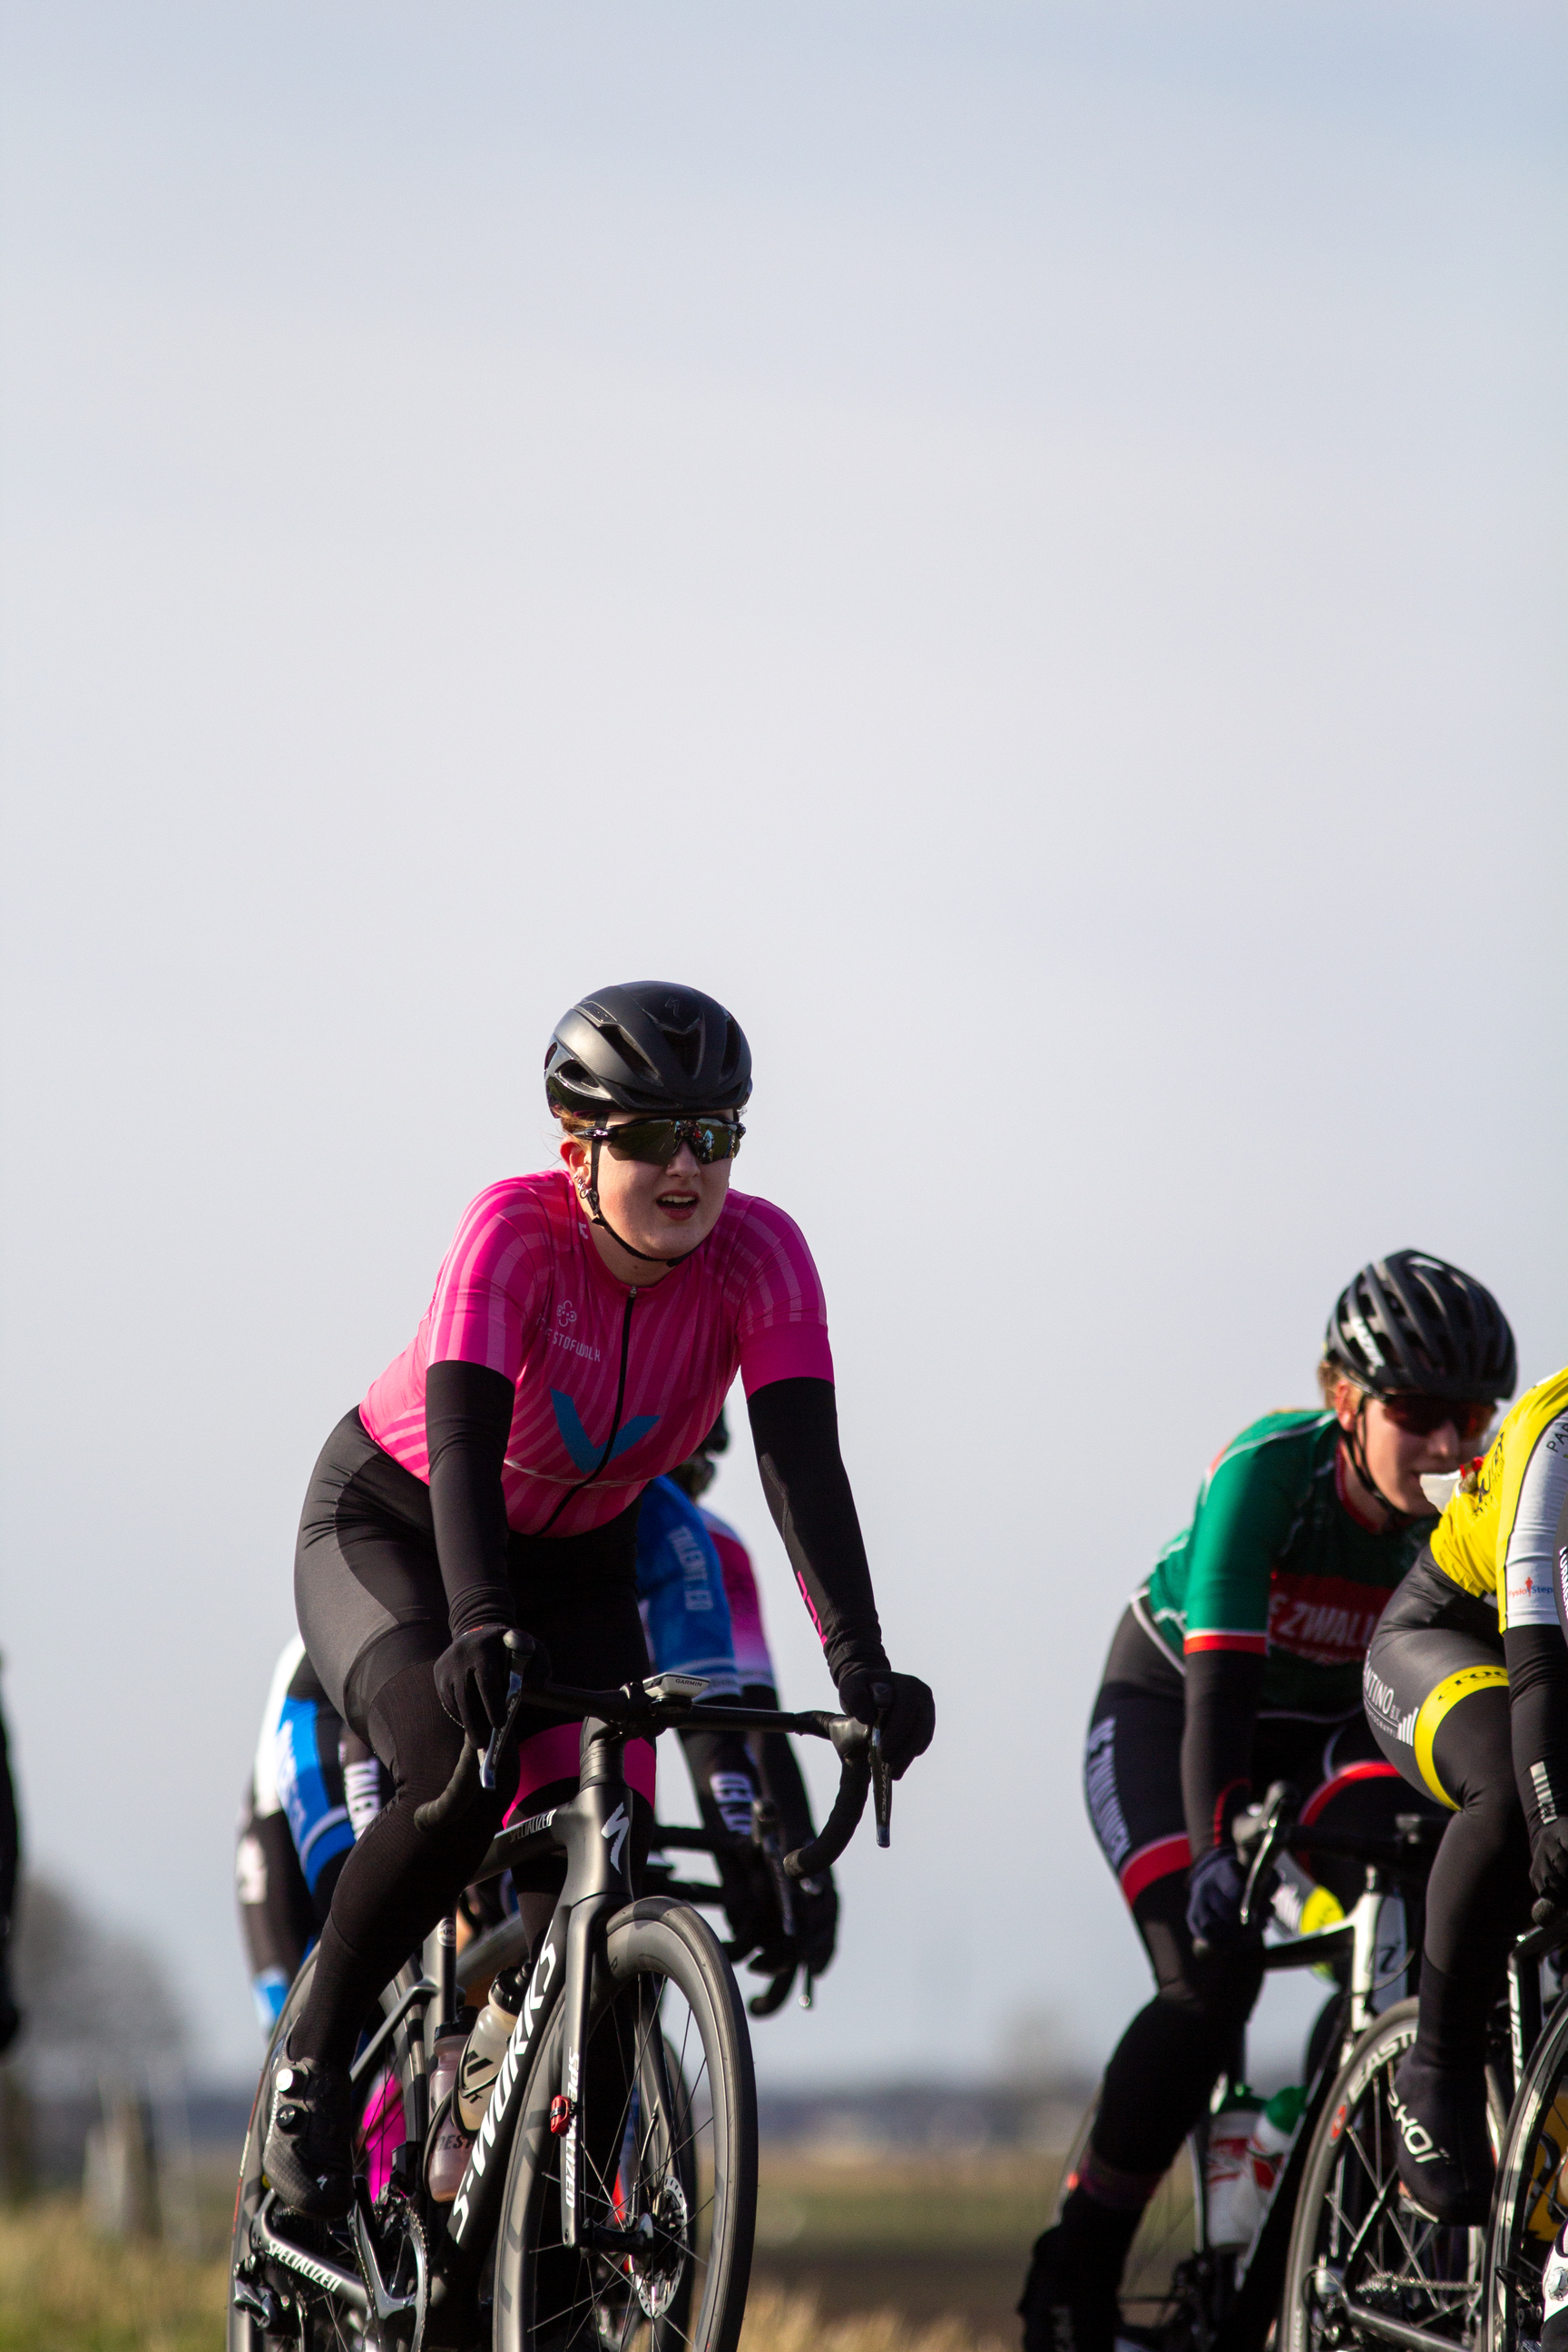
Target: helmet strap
1355,1441
589,1196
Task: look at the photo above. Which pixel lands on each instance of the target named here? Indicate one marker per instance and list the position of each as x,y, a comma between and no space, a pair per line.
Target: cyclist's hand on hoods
1548,1864
1215,1885
473,1676
903,1705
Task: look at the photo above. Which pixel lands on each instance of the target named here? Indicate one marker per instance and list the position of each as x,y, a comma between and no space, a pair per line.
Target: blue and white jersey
681,1591
298,1770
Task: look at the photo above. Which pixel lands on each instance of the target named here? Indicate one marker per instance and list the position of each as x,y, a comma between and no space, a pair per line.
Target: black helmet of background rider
1411,1324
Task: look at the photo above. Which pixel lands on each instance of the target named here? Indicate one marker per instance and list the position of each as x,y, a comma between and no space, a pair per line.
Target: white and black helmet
650,1046
1413,1323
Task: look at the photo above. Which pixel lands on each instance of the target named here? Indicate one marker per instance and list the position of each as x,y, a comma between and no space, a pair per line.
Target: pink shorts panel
554,1755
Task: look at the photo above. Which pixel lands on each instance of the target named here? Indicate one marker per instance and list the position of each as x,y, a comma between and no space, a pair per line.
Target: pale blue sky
1022,547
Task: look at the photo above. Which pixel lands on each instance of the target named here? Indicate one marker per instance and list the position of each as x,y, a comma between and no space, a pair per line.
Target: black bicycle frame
592,1830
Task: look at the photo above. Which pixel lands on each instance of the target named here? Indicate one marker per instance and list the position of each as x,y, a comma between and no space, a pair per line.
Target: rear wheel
1358,2246
1154,2283
665,2143
270,2304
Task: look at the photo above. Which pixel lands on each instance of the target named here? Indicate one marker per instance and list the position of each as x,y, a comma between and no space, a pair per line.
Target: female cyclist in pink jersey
586,1327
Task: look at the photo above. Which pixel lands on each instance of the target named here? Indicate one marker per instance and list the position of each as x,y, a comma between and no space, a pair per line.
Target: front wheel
1532,2195
668,2149
1359,2251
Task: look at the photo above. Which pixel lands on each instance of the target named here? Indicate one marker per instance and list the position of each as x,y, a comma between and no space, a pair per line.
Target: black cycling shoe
1442,2149
1064,2307
306,2158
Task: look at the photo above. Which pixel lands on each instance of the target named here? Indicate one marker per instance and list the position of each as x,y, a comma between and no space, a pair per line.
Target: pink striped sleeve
783,1320
484,1292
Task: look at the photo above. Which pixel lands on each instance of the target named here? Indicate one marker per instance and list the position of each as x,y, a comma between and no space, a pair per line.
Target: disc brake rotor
657,2278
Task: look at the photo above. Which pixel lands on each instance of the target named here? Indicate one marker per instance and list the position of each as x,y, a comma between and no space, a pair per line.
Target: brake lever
881,1789
1276,1819
490,1762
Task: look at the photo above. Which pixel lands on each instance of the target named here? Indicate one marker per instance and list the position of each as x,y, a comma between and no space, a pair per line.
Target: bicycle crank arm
341,2285
387,2306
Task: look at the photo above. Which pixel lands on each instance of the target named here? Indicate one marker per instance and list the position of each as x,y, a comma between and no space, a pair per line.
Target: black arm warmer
1224,1687
467,1420
794,1425
1537,1661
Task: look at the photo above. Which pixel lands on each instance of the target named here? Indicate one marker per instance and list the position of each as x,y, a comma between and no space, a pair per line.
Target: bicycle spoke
1379,2203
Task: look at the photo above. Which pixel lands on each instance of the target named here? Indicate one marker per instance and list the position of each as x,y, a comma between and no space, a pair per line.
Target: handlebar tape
853,1742
763,2004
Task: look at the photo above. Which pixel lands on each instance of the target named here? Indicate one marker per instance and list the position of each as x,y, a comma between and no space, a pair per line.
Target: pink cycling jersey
524,1291
754,1664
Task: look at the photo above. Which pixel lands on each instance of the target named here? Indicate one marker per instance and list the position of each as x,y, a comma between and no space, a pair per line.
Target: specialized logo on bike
500,2096
1328,1620
578,1442
616,1830
1423,2148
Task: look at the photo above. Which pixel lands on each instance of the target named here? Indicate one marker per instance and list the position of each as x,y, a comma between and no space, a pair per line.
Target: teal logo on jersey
578,1442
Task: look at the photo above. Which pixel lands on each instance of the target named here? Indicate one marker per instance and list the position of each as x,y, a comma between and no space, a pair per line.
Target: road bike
1367,2268
609,2196
1183,2292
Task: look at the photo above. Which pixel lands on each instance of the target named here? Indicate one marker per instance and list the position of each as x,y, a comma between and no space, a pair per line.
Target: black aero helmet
1412,1322
650,1046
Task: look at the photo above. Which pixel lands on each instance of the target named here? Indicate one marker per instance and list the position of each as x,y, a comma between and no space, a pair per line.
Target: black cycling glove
726,1783
815,1903
901,1703
473,1679
1549,1863
1215,1885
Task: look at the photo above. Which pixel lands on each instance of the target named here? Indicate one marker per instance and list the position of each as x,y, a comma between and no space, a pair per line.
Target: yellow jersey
1498,1538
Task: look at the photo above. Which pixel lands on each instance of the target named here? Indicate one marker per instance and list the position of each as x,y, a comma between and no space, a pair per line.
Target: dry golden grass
788,2323
64,2290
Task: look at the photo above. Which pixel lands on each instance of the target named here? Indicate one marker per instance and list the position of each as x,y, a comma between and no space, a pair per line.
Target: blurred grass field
929,2237
64,2290
865,2253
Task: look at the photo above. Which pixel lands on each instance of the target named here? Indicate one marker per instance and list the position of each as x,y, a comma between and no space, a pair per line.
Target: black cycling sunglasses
1422,1415
656,1141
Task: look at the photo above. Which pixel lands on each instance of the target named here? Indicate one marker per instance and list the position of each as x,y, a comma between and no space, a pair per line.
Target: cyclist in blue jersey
815,1900
313,1787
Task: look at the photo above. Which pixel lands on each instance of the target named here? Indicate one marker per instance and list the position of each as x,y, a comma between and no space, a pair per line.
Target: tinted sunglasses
1421,1415
656,1141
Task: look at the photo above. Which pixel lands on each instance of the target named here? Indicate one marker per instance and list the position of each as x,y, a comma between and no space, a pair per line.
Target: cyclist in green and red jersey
1239,1662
